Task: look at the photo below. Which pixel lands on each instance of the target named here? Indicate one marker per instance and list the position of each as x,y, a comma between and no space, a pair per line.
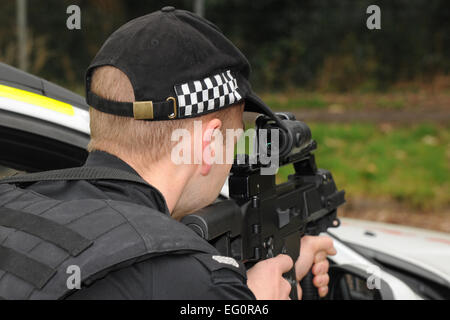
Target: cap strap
140,110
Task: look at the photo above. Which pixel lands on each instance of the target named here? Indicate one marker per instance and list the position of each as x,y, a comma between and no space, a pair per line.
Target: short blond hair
146,140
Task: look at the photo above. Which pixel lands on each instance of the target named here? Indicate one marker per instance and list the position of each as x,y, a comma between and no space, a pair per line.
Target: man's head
146,145
159,74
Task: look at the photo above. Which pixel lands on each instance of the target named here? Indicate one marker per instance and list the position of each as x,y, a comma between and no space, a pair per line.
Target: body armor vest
42,240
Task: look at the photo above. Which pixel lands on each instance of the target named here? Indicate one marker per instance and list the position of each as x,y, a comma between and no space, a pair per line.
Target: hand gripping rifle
263,219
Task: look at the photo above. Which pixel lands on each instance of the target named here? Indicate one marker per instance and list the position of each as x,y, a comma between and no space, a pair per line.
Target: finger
320,268
320,256
332,251
324,243
299,291
284,262
286,287
323,291
321,280
306,257
318,243
310,246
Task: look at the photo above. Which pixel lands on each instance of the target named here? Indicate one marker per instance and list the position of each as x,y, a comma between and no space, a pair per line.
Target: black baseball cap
180,66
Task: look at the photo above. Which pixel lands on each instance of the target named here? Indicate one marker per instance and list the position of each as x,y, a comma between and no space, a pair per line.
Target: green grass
407,164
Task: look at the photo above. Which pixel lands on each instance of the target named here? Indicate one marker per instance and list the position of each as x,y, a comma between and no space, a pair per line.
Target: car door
42,126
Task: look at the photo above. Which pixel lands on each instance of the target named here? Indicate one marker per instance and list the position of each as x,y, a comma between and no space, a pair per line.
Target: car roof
19,79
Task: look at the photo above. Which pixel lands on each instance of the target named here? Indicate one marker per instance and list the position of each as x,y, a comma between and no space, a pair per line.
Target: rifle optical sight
293,136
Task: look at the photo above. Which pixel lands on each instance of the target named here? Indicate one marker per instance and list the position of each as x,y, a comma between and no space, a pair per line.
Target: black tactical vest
42,238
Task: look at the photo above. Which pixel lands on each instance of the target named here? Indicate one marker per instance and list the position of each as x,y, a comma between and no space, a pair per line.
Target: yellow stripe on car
36,99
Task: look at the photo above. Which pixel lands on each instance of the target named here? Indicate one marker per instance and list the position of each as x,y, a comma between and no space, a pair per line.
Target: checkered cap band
212,93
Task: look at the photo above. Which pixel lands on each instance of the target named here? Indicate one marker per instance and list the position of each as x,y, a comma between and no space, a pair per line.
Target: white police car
45,127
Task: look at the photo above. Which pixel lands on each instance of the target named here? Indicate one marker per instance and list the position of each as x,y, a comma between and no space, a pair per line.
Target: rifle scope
293,137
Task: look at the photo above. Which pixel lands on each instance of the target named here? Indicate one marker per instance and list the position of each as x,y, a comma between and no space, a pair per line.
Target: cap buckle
143,110
174,114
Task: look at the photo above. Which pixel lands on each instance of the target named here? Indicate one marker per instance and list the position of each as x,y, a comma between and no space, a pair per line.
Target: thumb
284,262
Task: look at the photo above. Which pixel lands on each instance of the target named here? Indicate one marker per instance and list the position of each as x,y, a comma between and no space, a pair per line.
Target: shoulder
217,268
199,276
172,277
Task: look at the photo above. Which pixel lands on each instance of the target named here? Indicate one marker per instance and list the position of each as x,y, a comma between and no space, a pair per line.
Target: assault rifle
262,219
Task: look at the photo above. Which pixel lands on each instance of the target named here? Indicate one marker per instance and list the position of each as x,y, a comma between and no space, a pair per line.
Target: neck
168,178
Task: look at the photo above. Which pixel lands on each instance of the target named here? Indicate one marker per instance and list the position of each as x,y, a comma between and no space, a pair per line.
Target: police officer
169,71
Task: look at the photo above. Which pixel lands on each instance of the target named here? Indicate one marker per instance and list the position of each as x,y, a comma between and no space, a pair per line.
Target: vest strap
79,173
30,270
45,229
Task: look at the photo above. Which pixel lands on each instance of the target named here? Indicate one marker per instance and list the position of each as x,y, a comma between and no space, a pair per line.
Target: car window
26,151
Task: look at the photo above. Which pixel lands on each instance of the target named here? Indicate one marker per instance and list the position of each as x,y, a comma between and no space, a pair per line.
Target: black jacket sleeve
170,277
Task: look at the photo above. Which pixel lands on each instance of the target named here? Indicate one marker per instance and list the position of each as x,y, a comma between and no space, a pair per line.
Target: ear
208,147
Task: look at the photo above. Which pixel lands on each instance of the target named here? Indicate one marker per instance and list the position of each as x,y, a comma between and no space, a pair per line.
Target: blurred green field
320,101
295,101
407,164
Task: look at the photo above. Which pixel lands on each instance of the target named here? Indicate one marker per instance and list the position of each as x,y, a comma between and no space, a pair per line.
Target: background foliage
315,44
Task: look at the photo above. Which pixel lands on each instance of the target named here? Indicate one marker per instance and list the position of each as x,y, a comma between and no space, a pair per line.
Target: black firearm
262,219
